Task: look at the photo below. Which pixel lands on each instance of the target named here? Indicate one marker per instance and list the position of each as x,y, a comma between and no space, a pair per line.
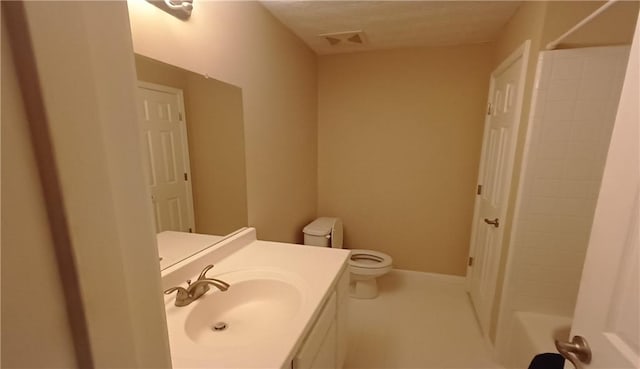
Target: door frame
523,52
185,143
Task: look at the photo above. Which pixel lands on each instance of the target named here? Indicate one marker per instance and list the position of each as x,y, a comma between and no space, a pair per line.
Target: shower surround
573,111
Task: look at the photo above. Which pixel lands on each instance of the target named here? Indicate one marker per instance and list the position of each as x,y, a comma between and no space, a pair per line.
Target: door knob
577,351
495,222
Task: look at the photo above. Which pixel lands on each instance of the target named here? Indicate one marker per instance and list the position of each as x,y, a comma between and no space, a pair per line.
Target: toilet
365,266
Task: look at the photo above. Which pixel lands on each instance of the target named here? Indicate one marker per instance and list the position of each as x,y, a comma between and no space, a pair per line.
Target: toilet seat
369,259
365,266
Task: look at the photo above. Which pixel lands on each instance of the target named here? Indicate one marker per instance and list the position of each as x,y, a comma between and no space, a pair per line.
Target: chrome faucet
195,290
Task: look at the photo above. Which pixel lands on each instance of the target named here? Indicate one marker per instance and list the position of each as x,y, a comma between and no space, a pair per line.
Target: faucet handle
183,297
181,291
203,273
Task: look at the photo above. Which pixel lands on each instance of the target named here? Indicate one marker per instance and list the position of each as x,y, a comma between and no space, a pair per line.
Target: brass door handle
495,222
577,351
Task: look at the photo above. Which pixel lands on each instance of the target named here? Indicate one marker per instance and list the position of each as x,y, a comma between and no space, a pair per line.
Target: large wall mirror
194,155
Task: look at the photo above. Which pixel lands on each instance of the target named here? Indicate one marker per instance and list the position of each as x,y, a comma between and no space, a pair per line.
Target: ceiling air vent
345,38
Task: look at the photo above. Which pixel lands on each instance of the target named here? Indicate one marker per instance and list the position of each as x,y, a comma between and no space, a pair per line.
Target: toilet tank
325,232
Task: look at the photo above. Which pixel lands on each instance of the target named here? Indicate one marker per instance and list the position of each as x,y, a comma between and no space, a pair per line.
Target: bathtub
534,333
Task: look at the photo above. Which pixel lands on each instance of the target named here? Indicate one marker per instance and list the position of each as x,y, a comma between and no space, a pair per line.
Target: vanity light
184,5
178,8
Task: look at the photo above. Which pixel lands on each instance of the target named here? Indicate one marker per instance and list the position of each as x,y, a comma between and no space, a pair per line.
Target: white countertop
315,269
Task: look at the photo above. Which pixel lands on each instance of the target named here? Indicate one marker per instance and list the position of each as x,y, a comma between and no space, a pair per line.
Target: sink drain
219,326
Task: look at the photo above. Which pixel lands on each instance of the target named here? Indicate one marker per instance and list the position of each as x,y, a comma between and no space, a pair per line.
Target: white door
607,312
494,180
161,119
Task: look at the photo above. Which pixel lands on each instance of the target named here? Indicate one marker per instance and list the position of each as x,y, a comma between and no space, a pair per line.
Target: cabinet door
326,356
315,342
342,292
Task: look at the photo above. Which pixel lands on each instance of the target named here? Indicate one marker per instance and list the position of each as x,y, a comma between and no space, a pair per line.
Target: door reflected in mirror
193,152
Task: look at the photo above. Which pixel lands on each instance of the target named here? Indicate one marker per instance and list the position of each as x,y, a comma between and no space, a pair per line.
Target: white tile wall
573,114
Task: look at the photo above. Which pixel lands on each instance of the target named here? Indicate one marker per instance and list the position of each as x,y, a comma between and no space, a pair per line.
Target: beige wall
243,44
213,111
615,26
399,141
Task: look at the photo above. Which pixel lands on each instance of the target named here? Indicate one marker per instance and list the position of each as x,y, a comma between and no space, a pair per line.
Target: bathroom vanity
286,306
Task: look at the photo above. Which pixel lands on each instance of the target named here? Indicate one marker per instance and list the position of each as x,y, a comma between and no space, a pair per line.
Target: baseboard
436,276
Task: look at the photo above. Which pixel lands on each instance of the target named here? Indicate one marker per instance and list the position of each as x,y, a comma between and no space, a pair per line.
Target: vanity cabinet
326,344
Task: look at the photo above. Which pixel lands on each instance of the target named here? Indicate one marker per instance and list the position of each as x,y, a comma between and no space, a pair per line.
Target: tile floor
417,321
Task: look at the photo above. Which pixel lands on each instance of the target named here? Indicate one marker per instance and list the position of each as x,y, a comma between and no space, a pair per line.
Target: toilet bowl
364,265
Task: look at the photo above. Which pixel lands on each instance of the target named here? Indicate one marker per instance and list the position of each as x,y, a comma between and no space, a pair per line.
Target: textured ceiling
393,24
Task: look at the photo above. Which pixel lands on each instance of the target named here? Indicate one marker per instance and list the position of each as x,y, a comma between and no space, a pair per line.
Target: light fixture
178,8
184,5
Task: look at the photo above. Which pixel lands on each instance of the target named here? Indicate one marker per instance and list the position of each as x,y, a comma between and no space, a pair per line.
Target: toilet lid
369,259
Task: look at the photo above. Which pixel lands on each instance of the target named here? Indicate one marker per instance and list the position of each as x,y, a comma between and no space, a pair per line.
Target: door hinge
470,261
479,190
186,177
489,109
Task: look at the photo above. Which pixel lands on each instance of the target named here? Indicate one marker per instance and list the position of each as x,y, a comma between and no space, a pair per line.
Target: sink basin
257,307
